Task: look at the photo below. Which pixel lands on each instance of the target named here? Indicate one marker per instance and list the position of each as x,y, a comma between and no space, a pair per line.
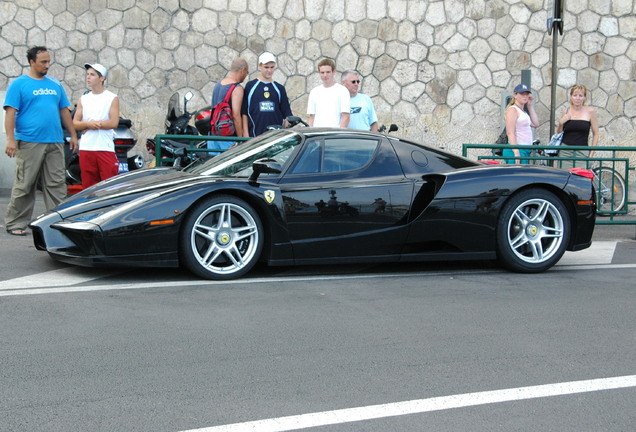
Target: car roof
310,131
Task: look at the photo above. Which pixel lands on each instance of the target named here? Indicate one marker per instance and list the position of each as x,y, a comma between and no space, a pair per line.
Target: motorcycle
392,128
178,122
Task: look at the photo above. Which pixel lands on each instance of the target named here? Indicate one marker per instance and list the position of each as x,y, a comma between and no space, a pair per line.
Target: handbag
555,141
503,139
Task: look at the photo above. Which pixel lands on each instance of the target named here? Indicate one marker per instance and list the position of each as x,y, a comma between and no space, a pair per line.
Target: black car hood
133,185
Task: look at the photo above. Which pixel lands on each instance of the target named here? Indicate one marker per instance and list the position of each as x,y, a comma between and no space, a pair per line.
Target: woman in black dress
576,123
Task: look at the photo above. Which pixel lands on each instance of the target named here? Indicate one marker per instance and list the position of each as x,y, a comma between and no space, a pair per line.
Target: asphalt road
347,348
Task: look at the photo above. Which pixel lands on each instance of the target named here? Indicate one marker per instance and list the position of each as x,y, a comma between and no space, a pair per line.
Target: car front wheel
533,231
221,238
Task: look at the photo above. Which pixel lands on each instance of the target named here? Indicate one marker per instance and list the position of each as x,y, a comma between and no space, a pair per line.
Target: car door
346,196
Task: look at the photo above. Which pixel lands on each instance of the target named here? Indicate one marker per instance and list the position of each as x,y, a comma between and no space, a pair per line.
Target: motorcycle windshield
174,110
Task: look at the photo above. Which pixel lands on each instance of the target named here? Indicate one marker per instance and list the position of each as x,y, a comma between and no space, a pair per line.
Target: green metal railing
615,158
195,144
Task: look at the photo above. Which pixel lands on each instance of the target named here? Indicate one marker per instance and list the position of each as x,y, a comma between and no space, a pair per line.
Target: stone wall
436,68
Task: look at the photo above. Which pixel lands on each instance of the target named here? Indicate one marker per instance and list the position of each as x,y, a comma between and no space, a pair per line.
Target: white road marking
203,282
55,278
601,252
420,406
282,279
598,256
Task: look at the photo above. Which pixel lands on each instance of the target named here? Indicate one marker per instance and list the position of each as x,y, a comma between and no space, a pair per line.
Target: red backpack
221,122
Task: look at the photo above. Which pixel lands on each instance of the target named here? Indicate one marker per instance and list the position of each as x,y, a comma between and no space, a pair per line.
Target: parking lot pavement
615,232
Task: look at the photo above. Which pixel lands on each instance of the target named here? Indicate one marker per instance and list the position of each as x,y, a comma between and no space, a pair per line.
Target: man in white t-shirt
328,104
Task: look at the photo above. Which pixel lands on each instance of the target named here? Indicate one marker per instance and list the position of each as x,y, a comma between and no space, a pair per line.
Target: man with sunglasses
363,114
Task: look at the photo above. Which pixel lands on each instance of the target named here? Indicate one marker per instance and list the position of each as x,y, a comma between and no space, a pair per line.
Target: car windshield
237,161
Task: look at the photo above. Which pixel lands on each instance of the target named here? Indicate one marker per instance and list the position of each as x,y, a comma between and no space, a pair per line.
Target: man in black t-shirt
265,101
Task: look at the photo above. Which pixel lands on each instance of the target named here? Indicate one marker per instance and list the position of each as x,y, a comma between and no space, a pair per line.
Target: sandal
17,232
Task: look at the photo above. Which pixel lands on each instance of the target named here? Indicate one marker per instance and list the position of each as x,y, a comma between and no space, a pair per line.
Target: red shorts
97,166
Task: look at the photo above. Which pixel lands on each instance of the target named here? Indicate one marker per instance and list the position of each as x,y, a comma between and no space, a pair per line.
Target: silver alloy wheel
535,231
224,238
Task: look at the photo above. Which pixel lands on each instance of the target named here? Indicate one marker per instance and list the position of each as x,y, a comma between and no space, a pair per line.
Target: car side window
333,155
310,159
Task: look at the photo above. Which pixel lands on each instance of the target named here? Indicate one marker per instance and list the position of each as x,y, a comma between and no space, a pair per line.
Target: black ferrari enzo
319,196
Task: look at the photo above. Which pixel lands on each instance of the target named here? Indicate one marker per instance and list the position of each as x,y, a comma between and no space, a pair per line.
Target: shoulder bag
503,139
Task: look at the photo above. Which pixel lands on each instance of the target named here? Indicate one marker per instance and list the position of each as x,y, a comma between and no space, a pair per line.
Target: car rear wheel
533,231
221,238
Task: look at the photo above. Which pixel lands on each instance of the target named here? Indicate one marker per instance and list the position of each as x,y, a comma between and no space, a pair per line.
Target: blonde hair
580,87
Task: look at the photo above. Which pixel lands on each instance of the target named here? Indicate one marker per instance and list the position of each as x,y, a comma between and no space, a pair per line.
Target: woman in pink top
519,123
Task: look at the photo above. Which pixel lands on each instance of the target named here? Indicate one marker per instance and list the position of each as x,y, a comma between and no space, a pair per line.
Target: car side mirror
265,166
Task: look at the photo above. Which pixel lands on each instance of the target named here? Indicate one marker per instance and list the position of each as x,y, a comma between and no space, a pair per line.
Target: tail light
583,172
150,146
204,114
73,189
122,145
124,142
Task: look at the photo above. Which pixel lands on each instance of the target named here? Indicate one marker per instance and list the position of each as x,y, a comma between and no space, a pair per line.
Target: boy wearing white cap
97,115
265,101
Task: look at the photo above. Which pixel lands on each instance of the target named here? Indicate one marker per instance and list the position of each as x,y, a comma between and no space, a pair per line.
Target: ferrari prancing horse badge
269,196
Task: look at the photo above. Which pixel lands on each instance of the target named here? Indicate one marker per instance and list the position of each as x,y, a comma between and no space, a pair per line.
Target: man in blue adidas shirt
36,106
265,101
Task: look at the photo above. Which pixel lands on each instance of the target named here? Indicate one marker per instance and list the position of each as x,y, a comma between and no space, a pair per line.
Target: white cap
99,68
266,57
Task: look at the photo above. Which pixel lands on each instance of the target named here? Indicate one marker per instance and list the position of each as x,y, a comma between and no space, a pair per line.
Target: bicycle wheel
610,190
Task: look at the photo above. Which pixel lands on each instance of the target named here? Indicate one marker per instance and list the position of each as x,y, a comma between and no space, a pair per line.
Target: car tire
533,231
221,238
